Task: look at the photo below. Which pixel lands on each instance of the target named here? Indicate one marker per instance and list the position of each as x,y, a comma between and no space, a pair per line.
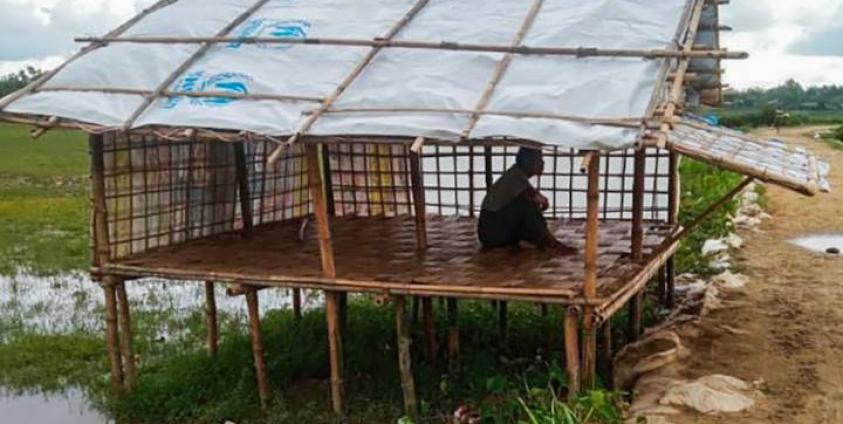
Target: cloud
35,29
822,40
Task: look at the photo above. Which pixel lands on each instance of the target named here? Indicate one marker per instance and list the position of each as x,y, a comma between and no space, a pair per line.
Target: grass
834,138
43,227
43,201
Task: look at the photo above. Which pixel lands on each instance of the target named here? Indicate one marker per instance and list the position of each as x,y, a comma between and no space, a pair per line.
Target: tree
10,83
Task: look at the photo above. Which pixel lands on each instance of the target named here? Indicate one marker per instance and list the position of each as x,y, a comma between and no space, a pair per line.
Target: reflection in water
823,243
69,407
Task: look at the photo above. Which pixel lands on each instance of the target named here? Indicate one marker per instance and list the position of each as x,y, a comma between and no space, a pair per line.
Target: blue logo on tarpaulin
272,28
203,82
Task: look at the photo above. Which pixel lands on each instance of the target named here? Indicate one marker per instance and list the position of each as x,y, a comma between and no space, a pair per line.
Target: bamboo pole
637,247
257,346
242,174
503,324
670,269
501,68
113,336
606,356
211,325
326,250
419,202
102,246
429,330
661,277
387,42
590,284
330,100
188,63
335,348
634,321
178,93
127,351
408,385
453,336
297,304
572,350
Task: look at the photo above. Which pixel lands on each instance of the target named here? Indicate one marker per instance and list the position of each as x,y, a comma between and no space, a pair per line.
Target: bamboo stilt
429,330
606,352
670,268
257,346
127,351
572,350
211,325
543,309
102,247
408,385
453,336
637,247
503,323
113,337
297,304
416,309
634,323
242,172
335,321
590,284
661,276
332,312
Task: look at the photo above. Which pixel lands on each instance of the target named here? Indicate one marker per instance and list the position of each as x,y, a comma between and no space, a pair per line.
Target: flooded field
69,407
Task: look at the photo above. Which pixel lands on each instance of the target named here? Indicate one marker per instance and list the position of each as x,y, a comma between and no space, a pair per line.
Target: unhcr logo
203,82
271,28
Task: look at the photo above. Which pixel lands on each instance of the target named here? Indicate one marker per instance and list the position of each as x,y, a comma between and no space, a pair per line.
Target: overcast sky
786,39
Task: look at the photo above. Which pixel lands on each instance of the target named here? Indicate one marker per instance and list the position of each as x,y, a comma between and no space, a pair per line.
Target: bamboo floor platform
380,255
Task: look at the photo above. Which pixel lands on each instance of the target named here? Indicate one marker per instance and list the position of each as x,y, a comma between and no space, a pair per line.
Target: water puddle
69,407
72,302
829,244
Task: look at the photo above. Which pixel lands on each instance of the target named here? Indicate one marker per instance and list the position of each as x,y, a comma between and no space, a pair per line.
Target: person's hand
542,202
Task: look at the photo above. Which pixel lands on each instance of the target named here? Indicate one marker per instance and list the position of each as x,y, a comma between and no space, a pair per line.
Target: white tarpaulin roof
396,79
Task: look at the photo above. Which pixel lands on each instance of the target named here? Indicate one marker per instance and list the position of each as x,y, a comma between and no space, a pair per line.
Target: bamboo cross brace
346,82
501,68
578,52
40,81
189,62
176,93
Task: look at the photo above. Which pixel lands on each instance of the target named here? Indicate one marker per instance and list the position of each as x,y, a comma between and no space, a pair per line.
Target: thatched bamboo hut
217,133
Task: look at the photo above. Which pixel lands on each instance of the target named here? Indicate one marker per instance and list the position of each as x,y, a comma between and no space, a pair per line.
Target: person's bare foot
556,246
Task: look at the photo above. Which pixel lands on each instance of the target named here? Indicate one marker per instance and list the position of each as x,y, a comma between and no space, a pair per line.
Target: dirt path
791,333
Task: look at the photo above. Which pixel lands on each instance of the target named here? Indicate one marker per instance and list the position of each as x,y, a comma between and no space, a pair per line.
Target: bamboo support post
661,278
419,205
674,194
102,247
416,308
637,247
670,270
127,351
590,283
572,350
606,353
636,304
408,385
243,186
335,347
332,309
257,346
503,324
453,336
113,336
429,330
296,293
211,325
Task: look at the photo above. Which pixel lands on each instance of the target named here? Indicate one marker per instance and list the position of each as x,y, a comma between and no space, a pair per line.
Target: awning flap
768,160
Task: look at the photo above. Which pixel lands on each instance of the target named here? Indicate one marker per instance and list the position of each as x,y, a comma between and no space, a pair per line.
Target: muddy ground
789,322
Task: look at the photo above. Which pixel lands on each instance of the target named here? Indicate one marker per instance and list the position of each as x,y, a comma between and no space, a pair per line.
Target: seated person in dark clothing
512,209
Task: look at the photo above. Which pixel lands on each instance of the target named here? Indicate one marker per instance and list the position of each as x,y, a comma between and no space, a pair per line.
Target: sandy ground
789,321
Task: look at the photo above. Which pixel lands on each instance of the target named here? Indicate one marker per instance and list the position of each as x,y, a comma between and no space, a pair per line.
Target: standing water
823,243
69,407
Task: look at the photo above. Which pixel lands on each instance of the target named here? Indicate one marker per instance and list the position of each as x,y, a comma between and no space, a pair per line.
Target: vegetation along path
788,338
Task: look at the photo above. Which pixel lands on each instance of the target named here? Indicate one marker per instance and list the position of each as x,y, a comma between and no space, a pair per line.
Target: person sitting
512,210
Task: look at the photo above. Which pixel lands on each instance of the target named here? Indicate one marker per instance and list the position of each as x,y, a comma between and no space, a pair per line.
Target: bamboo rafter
501,68
176,93
305,127
580,52
189,62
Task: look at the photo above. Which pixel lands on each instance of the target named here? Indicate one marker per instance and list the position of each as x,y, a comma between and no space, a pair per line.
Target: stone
734,241
728,280
714,246
711,394
652,352
833,250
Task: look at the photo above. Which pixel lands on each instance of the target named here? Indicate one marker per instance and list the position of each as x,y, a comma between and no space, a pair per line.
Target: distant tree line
17,80
789,96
